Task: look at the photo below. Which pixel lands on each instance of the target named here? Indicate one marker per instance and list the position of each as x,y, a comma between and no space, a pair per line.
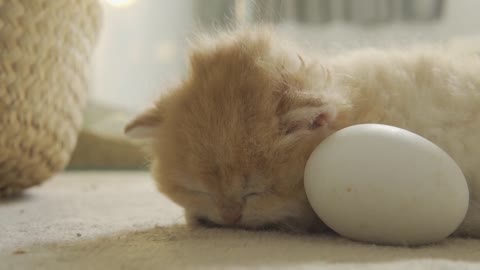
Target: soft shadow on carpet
118,221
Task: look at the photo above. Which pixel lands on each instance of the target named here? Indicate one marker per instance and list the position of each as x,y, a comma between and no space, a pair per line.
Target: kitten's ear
145,125
307,119
305,106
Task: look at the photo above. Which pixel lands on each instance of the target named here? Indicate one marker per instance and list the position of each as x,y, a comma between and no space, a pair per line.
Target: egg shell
386,185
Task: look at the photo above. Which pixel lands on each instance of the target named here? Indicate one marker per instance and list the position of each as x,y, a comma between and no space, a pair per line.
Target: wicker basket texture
45,50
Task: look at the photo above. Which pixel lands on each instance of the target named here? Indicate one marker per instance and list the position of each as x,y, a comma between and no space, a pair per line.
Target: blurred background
143,44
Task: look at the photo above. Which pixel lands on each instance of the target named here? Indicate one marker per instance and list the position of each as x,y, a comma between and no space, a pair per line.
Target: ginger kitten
230,142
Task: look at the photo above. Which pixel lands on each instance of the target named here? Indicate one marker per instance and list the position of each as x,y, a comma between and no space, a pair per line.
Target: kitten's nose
231,218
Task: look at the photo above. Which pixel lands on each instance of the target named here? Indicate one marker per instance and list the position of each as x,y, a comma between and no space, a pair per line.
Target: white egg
386,185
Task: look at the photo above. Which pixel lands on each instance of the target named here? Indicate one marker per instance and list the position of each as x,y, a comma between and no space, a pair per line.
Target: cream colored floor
116,220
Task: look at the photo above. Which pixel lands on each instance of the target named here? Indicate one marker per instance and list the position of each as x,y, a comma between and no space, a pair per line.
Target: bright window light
120,3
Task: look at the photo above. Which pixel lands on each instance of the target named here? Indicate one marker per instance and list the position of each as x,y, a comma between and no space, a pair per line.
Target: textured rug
117,220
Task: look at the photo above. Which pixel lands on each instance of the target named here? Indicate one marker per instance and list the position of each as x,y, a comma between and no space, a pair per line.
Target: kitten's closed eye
251,194
245,196
257,192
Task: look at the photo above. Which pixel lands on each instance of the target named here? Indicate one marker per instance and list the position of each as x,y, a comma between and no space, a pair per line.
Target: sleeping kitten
229,143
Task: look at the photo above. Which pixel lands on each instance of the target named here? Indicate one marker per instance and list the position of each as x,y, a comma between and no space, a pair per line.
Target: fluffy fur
230,142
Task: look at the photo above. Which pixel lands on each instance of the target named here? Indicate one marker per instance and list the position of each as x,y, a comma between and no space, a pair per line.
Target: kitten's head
230,143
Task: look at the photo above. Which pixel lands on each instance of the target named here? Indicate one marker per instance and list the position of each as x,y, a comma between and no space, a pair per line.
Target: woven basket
45,48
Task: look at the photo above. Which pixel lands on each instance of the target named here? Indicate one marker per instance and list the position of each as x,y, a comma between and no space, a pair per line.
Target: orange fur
228,144
231,141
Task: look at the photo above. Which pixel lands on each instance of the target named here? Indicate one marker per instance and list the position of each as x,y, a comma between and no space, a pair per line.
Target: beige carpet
106,220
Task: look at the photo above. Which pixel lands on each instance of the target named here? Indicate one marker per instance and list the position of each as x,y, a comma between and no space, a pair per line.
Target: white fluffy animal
433,91
231,141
